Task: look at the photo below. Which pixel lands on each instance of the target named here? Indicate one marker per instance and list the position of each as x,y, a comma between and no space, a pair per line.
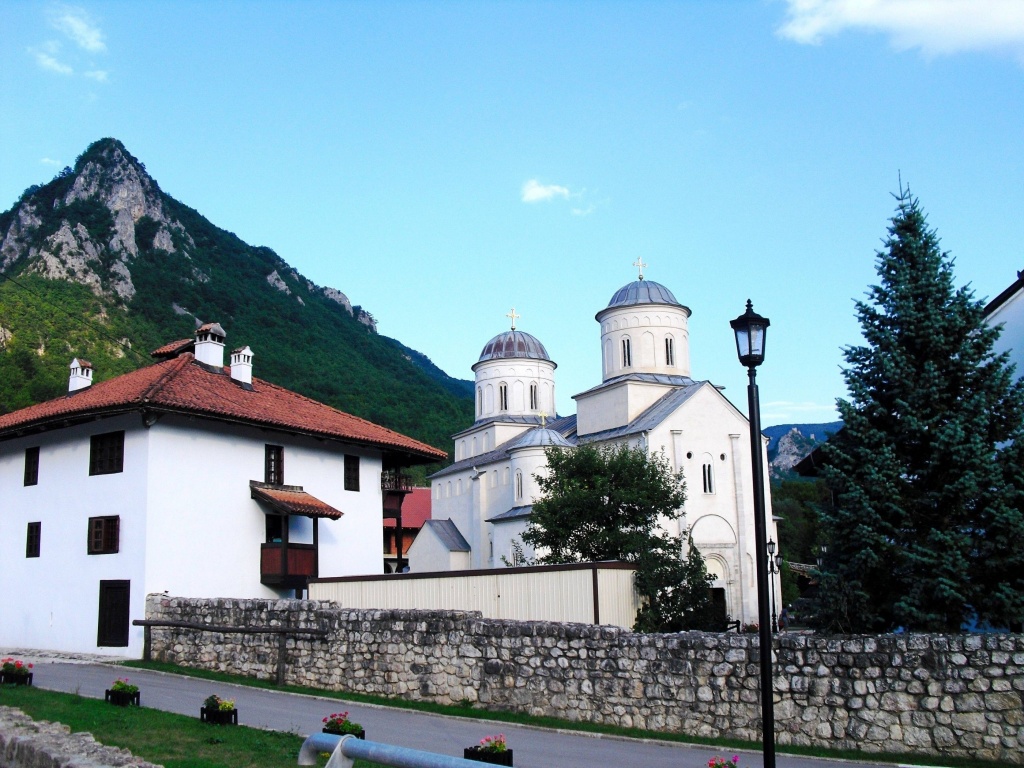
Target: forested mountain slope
101,263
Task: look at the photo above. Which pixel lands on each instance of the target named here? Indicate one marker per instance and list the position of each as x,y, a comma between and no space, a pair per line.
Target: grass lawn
175,741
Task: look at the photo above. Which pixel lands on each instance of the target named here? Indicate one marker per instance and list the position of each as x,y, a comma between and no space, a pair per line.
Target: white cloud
50,62
49,161
76,24
584,211
934,26
535,192
99,75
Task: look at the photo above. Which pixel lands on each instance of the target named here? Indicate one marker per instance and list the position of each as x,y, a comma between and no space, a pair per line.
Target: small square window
106,453
32,465
104,535
273,465
32,538
351,473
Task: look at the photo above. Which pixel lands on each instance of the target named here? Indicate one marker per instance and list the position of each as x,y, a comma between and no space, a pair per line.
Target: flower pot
494,758
122,698
219,716
360,734
16,678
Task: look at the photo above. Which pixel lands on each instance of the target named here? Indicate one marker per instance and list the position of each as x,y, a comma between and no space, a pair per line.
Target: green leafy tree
926,528
607,504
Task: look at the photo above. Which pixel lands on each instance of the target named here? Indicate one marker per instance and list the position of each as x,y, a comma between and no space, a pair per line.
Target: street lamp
774,567
750,329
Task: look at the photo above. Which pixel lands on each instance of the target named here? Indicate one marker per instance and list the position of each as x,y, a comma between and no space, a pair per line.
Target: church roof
182,385
651,417
513,344
516,513
449,534
650,378
643,292
562,427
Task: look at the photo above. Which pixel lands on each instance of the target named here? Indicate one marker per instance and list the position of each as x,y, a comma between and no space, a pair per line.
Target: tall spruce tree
928,517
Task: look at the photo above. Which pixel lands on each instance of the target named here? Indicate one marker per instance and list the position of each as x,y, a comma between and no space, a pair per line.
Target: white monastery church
481,504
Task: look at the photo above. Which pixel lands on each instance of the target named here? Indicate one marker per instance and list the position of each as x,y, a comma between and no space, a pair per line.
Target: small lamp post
750,329
774,567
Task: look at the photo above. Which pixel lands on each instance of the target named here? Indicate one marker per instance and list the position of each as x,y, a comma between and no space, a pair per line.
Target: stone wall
928,694
26,743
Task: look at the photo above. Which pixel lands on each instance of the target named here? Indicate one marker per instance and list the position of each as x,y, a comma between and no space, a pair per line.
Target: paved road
302,714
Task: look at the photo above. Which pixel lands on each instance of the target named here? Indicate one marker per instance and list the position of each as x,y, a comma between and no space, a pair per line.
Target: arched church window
534,405
519,486
670,353
479,401
504,476
494,479
448,490
627,354
458,487
503,397
474,447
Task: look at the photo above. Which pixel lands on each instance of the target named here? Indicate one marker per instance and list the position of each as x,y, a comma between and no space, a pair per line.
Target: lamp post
774,567
750,329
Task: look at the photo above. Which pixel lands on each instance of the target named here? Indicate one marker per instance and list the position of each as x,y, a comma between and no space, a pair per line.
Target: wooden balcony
290,569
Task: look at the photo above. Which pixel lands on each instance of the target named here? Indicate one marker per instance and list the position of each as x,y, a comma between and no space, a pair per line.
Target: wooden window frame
33,539
106,453
32,465
351,473
273,464
104,535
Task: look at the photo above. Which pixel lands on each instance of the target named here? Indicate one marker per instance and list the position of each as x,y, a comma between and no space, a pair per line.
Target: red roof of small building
181,385
292,500
415,510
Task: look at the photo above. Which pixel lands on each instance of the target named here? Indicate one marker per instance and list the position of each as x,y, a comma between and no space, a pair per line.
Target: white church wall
517,375
645,327
707,427
427,554
615,405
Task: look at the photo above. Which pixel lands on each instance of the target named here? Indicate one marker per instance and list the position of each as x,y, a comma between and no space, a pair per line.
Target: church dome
642,292
513,344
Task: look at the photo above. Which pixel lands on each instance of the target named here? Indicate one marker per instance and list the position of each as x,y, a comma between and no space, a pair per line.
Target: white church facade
481,503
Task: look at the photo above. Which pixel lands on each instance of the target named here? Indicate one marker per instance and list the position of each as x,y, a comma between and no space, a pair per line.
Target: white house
1007,310
184,477
647,398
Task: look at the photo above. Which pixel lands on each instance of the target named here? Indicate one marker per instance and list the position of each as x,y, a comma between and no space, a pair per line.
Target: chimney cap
213,328
80,362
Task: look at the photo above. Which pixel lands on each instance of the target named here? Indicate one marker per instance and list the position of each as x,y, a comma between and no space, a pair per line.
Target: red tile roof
174,348
292,500
181,385
415,510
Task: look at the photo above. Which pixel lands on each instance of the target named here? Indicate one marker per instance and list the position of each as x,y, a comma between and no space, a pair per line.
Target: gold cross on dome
512,314
543,419
639,264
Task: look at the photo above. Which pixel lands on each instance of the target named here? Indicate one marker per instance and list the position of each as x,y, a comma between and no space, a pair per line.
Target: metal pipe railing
346,749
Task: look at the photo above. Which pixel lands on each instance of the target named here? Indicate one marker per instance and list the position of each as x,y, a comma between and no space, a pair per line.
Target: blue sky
442,162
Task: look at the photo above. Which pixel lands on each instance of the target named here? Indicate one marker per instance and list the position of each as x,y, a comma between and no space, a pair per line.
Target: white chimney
81,375
210,345
241,365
